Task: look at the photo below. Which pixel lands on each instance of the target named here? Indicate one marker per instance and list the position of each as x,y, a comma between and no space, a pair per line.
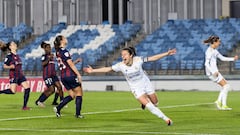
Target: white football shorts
216,79
145,88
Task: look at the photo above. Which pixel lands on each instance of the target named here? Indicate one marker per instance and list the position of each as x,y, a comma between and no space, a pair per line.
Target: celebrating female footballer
140,84
212,72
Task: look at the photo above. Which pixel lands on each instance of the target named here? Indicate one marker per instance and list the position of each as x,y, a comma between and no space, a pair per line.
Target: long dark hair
131,50
57,42
211,39
5,47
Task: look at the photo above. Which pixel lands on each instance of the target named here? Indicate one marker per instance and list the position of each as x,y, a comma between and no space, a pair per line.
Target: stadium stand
187,37
94,42
89,42
17,34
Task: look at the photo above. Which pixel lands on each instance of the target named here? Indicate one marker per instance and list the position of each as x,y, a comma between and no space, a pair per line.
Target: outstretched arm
161,55
89,69
223,58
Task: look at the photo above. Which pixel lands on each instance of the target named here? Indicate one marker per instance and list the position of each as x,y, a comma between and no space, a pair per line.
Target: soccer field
193,113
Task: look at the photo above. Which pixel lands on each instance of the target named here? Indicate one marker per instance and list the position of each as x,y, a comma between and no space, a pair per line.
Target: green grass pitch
117,113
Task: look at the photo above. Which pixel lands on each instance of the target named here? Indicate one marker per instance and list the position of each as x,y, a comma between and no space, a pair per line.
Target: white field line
102,112
99,131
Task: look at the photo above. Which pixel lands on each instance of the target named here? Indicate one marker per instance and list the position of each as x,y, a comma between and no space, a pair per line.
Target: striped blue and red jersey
49,68
14,59
62,56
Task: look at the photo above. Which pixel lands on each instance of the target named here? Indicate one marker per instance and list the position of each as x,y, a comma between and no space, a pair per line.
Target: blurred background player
14,64
212,72
70,77
50,77
141,87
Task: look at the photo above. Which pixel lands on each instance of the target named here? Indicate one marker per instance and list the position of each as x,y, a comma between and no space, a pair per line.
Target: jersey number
49,81
61,64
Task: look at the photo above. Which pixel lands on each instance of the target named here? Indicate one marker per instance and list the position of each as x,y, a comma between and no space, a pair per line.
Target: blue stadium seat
164,64
148,66
199,64
237,64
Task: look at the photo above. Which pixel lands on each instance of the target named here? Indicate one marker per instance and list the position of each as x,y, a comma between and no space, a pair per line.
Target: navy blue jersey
49,68
62,56
12,59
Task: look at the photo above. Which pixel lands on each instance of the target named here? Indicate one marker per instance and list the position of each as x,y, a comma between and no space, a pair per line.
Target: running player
139,83
213,73
16,76
70,77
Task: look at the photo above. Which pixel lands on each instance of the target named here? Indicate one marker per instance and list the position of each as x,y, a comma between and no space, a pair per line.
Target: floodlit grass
115,113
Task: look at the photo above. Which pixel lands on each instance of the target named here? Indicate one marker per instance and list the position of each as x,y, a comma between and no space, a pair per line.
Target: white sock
225,90
156,111
220,96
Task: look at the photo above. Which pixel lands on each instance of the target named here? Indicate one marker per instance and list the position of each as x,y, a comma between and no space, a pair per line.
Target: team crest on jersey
43,57
5,60
67,54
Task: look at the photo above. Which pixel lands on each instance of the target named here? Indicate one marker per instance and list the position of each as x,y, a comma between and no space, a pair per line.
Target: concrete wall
200,85
225,8
118,83
180,82
43,14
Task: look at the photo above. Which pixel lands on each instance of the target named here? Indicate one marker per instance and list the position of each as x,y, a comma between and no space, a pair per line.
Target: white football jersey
211,56
134,74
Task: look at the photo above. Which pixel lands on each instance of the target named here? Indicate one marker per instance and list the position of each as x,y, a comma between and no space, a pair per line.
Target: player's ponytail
5,47
211,40
57,42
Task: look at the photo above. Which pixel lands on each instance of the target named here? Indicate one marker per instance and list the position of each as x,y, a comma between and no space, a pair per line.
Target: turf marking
100,131
102,112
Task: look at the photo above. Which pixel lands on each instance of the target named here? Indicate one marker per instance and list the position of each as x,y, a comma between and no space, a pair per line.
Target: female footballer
139,83
213,73
50,78
14,64
70,77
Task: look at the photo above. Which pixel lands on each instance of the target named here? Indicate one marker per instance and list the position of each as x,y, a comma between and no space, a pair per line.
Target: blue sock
7,91
42,98
26,97
78,105
66,100
61,98
55,98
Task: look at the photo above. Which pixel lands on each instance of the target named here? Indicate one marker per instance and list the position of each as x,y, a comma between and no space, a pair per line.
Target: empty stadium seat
90,42
187,36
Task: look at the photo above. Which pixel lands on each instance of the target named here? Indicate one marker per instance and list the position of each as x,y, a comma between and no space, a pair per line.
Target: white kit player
212,72
140,85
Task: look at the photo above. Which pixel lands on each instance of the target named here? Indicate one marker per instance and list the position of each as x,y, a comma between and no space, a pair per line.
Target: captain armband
145,59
